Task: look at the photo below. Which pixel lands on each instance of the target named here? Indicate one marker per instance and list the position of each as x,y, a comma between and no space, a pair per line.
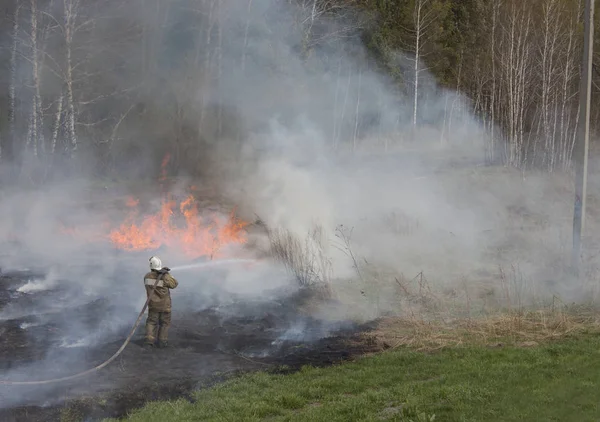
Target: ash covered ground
205,347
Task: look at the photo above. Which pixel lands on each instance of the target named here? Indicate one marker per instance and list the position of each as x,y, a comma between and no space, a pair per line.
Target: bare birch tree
516,61
551,35
419,30
36,103
70,16
425,14
309,14
207,70
246,31
57,123
570,89
13,78
357,111
220,24
495,10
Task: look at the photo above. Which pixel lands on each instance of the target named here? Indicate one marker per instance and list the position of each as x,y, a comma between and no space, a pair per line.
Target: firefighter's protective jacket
161,298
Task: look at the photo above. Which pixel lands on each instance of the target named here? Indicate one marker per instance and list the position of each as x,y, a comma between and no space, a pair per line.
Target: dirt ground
205,347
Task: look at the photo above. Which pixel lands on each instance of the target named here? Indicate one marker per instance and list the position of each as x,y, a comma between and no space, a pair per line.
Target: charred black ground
206,347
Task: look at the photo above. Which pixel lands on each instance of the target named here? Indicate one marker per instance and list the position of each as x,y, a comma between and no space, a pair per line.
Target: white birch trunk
13,79
36,103
496,5
418,8
354,141
70,15
246,30
567,76
345,103
335,103
57,120
207,66
219,66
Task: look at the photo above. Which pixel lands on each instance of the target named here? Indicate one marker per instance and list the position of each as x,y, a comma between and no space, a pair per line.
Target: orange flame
178,226
195,236
132,202
163,167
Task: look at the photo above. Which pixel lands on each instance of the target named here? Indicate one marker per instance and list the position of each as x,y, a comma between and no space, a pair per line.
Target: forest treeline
110,87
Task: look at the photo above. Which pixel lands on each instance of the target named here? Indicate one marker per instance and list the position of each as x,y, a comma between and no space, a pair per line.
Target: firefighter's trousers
157,320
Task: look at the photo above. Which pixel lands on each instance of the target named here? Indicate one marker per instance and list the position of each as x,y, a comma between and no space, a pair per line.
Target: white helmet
155,263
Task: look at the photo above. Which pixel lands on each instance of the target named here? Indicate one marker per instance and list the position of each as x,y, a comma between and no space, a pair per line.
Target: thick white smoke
327,142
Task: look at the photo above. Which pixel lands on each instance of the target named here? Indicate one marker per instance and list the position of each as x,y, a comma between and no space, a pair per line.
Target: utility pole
583,135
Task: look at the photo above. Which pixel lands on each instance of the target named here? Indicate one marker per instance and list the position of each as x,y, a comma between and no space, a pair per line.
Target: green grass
553,382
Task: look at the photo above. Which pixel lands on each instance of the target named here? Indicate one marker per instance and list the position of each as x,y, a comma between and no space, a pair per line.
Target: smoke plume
294,122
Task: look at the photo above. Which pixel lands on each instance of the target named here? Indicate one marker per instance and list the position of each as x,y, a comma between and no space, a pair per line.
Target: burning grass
197,236
180,222
177,224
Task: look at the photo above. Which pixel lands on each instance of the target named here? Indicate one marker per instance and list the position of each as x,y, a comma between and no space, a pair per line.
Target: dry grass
522,328
513,289
429,317
305,259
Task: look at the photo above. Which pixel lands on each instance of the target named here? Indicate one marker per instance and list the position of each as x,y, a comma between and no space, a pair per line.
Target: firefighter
159,306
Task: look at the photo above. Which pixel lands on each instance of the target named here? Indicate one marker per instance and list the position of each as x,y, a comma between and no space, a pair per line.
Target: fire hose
103,364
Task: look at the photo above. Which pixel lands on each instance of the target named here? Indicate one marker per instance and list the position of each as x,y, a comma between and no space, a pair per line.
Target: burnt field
60,330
